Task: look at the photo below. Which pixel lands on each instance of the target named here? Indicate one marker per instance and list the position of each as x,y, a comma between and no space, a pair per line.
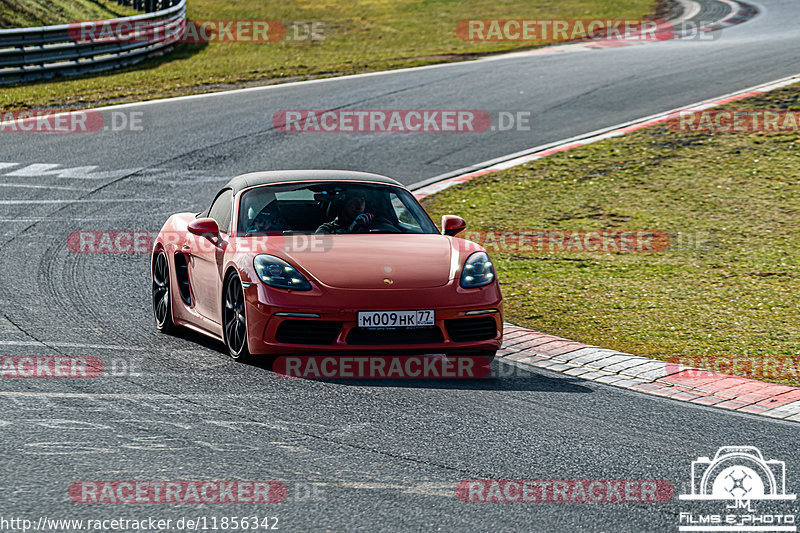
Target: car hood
367,261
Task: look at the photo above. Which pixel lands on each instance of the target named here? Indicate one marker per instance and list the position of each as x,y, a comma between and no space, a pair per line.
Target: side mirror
204,227
452,225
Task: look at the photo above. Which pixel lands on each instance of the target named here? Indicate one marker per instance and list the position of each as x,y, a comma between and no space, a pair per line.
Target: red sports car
301,262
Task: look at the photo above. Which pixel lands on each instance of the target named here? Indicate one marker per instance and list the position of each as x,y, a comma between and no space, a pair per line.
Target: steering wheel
266,220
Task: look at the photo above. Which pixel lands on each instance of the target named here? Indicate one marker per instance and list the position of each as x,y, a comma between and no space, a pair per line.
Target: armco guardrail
28,54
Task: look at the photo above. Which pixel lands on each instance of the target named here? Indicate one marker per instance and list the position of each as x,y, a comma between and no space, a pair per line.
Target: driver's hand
364,219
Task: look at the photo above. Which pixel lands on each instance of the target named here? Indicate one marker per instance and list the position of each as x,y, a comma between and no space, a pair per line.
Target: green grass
360,36
28,13
734,296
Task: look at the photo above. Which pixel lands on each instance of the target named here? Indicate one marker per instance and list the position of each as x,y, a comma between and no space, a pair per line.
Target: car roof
280,176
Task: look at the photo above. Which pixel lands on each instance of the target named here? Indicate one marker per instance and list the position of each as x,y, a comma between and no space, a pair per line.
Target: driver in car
352,216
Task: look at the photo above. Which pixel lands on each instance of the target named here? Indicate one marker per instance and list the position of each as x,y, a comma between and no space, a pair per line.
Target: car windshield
331,207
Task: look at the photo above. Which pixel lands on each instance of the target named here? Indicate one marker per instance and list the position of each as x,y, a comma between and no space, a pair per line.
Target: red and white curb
443,182
650,376
641,374
740,13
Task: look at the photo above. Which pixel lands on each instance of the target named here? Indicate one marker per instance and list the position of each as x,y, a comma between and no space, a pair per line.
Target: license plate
395,319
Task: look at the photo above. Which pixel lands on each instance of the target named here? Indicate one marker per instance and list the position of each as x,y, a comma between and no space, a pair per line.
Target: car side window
222,209
403,215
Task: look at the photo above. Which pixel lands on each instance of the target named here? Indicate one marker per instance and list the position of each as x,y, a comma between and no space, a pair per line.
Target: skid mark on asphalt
104,396
425,488
211,422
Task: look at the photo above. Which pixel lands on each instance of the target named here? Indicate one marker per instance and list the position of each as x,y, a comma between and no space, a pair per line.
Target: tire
162,295
234,322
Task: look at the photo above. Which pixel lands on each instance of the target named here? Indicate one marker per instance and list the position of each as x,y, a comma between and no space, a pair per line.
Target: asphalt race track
353,455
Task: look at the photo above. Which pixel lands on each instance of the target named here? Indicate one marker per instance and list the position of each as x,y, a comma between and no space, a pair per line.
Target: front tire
162,303
234,322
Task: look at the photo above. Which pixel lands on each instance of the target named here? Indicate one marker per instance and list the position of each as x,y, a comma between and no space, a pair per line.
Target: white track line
87,201
54,187
46,344
690,9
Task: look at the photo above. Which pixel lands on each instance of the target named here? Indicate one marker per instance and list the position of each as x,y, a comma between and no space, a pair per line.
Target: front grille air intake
471,329
316,332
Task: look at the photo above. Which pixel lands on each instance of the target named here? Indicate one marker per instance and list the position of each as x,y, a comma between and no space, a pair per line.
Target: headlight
277,273
478,271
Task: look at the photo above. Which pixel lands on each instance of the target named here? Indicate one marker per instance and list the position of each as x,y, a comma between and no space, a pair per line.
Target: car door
205,256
